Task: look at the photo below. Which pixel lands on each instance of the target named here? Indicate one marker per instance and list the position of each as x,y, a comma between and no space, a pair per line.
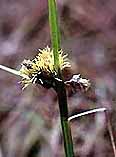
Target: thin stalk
86,113
68,144
54,30
60,87
13,71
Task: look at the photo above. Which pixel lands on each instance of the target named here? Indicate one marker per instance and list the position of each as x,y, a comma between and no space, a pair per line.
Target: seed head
44,63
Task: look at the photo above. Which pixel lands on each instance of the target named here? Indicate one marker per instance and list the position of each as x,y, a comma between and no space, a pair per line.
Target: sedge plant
46,69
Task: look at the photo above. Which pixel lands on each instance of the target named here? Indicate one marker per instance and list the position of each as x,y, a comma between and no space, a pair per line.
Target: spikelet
44,61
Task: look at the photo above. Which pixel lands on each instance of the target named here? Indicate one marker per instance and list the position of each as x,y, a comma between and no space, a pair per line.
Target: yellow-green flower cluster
44,61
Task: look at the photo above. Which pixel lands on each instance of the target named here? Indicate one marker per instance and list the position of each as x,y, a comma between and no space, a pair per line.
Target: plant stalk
62,100
60,87
54,30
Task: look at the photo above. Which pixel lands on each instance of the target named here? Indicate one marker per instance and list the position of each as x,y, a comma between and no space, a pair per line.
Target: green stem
62,99
55,35
68,138
60,87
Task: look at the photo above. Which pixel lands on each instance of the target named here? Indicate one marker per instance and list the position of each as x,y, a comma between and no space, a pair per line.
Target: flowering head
42,67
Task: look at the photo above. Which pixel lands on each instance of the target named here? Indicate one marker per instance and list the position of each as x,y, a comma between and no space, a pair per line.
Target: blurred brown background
29,119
